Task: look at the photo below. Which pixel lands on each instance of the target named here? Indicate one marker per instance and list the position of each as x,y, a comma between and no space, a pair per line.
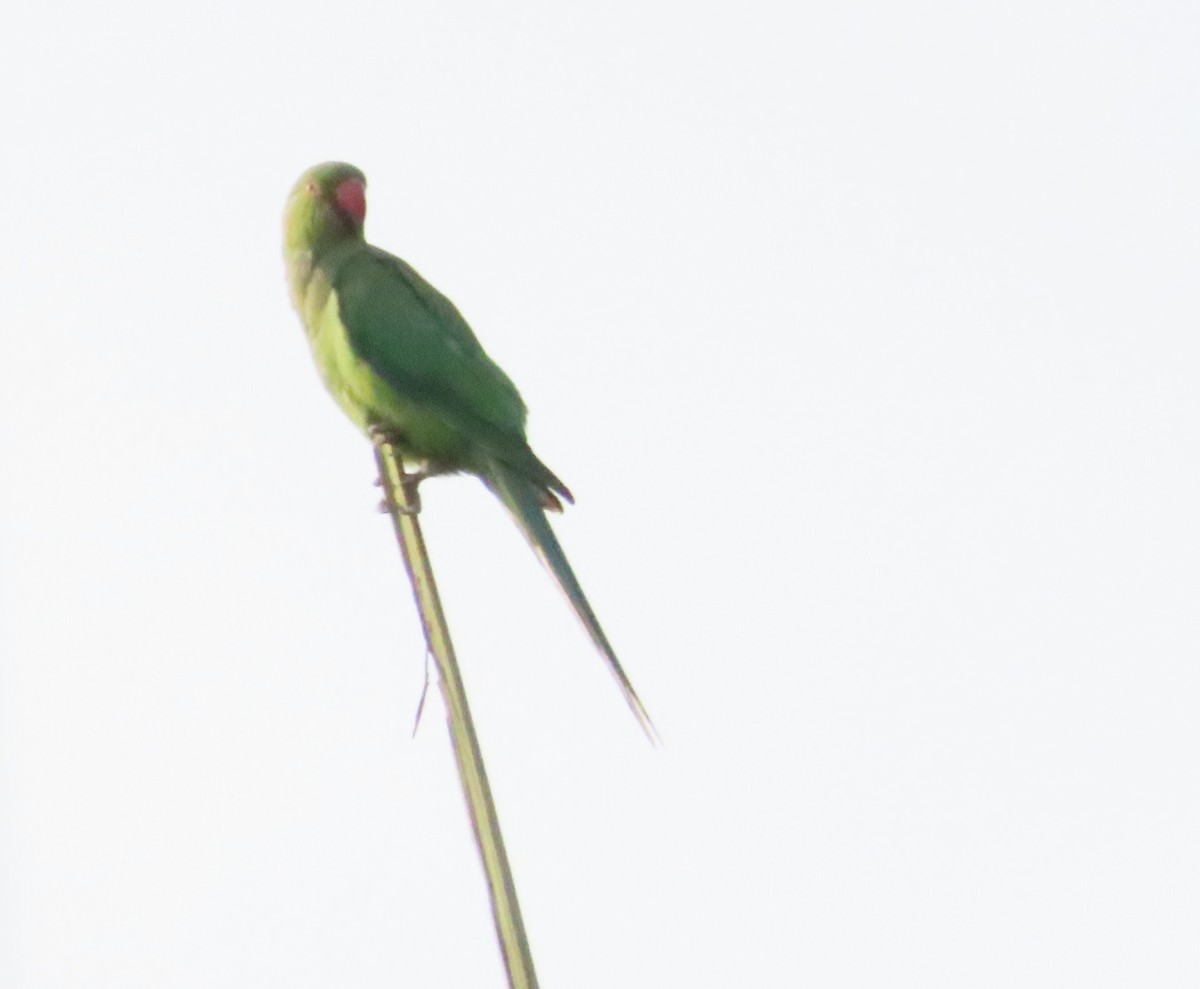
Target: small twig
424,694
400,496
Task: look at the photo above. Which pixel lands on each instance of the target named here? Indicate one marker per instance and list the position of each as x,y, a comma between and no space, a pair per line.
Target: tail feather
526,502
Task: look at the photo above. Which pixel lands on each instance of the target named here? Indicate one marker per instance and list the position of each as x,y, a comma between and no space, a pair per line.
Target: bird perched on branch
405,367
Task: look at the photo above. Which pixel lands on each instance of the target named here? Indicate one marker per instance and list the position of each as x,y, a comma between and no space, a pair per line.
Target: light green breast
363,395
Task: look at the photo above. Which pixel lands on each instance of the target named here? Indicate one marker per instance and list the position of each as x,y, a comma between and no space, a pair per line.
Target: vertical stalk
400,495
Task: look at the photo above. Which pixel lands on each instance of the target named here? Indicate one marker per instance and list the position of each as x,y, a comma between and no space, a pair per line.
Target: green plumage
399,358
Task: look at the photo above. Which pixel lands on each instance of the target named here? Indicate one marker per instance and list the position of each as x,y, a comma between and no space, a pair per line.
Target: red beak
351,198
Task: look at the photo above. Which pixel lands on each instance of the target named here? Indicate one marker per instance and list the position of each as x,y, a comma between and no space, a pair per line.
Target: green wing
417,342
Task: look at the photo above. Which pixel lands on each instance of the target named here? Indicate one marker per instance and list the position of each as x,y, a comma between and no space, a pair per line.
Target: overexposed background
866,335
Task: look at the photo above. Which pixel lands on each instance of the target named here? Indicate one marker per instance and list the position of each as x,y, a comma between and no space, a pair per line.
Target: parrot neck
299,264
320,240
306,261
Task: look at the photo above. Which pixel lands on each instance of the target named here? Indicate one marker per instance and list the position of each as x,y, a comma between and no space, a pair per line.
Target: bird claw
413,478
412,506
382,436
412,496
385,509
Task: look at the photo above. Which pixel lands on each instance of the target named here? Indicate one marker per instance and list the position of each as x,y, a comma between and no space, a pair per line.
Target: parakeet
403,364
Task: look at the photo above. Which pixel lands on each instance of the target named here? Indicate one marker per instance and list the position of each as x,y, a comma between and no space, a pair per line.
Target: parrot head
327,204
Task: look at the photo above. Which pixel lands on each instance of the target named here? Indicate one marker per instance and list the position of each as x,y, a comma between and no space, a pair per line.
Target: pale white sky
866,336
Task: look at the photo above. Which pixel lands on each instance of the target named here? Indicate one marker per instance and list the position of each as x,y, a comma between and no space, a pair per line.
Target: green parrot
405,367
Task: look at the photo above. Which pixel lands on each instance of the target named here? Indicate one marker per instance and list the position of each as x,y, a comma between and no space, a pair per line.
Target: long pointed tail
522,499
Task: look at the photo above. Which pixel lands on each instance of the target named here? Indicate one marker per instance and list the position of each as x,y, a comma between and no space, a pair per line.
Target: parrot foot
413,478
412,508
382,436
412,497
